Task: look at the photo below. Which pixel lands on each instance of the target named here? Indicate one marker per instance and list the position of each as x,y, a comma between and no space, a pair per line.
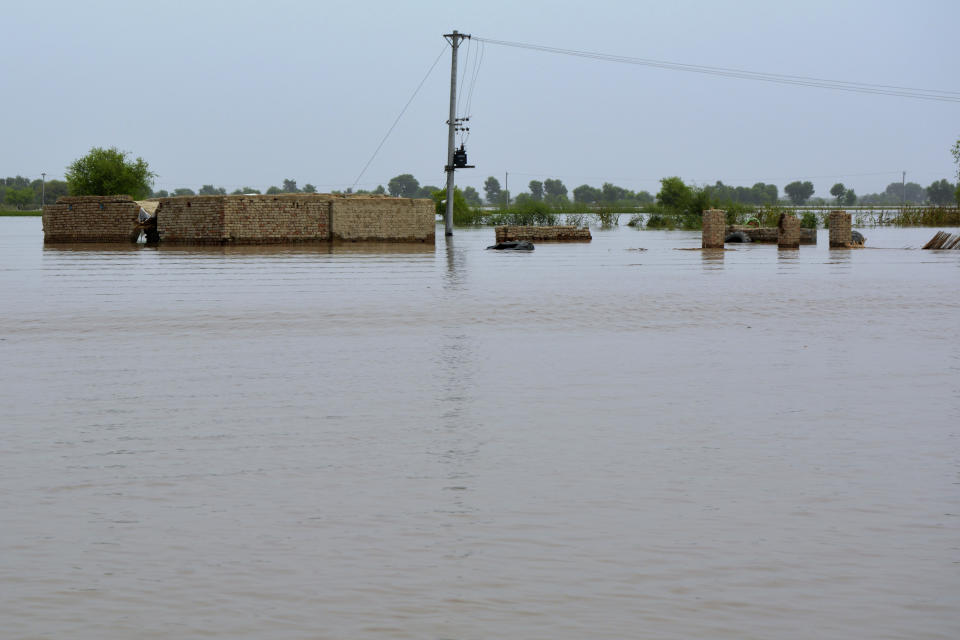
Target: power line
779,78
478,60
400,115
463,78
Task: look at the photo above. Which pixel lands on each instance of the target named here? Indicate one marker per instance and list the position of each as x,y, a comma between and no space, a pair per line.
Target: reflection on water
712,259
456,268
305,248
408,441
788,260
840,260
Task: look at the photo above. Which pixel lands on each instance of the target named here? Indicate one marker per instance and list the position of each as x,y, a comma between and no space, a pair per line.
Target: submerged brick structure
382,219
840,230
771,235
258,219
244,219
558,233
714,228
789,231
91,219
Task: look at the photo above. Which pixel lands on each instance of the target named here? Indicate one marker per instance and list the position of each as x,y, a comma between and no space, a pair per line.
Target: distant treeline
22,193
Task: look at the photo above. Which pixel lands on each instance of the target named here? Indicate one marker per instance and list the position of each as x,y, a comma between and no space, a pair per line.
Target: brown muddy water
588,441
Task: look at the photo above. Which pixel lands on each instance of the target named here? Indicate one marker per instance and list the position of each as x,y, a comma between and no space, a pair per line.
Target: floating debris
512,245
738,236
944,240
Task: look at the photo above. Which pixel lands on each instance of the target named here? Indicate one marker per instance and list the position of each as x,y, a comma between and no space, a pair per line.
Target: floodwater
587,441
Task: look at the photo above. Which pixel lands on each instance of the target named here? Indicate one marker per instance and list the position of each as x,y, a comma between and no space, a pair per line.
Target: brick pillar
714,228
839,229
788,235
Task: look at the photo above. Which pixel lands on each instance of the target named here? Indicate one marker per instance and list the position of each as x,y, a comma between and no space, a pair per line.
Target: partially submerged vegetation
677,205
680,206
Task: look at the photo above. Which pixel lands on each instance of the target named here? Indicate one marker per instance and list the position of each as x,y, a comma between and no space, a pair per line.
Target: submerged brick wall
90,219
771,235
714,229
290,217
789,231
191,219
293,217
558,233
840,229
382,219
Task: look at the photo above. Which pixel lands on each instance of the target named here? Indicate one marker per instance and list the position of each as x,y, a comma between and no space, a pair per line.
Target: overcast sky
247,94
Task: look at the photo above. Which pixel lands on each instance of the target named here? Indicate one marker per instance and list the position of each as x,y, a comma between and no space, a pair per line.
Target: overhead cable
400,115
779,78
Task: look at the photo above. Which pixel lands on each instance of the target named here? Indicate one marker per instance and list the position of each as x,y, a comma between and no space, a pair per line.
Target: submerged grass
656,216
926,217
14,213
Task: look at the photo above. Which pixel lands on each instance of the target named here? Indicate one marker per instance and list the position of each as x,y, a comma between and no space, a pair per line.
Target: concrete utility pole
454,39
43,189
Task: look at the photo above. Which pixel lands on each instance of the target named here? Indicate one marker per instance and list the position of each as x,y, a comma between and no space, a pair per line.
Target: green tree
554,190
19,197
611,193
108,172
586,194
909,192
471,196
18,182
427,192
850,198
799,192
461,210
161,194
838,191
955,152
674,195
242,190
379,191
403,186
643,197
761,193
536,190
273,190
183,191
210,190
50,190
290,186
940,192
491,190
309,188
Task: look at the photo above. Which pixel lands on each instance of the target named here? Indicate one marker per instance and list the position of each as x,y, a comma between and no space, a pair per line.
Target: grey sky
241,93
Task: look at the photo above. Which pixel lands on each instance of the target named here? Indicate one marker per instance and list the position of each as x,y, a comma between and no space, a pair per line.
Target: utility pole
43,190
903,190
454,39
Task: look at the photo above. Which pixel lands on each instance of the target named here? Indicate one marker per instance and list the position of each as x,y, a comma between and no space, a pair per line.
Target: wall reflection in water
712,259
306,248
839,260
787,260
456,446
